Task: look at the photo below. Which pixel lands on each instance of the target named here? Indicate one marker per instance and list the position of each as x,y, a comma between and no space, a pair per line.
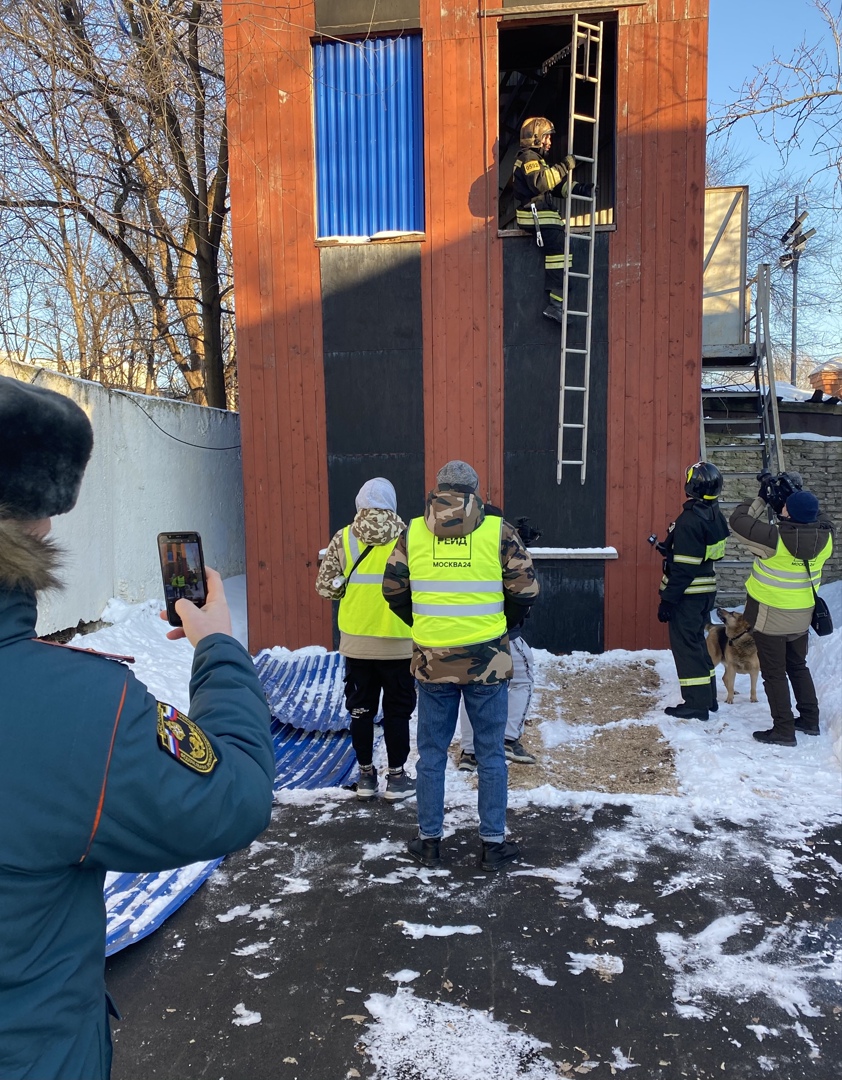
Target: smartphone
182,570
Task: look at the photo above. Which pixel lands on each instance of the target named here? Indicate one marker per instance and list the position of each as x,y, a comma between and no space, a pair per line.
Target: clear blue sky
744,35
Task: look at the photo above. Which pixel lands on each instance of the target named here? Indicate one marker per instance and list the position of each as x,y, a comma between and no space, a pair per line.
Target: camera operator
95,775
789,556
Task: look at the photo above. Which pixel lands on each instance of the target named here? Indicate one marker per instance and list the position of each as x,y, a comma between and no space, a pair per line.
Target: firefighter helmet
532,132
704,481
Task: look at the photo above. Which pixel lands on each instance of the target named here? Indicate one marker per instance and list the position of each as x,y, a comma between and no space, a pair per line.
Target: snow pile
428,1040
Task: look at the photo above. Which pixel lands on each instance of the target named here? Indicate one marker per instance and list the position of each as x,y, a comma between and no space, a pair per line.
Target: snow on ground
781,797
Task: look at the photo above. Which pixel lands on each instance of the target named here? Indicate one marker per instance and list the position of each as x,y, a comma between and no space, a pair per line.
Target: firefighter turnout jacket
696,540
534,181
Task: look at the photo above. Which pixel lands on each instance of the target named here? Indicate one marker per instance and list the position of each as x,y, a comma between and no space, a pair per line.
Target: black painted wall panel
338,17
568,616
570,514
373,356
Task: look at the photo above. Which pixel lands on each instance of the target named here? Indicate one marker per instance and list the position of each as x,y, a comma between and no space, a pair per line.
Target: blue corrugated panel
369,136
314,757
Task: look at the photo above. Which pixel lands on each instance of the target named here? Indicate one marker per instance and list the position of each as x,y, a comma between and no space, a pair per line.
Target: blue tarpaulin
312,750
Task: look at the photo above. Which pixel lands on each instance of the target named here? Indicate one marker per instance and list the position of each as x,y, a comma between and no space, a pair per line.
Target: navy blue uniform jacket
86,787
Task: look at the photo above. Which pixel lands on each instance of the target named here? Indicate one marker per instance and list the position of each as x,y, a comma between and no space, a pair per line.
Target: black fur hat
45,443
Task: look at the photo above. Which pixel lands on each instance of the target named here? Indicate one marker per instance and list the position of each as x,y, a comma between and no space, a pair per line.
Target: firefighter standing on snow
696,539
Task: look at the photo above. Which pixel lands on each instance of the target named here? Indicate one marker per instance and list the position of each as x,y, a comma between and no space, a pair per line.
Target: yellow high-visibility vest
783,581
457,585
362,610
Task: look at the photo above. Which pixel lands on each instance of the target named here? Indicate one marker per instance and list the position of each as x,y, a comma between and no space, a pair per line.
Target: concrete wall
141,481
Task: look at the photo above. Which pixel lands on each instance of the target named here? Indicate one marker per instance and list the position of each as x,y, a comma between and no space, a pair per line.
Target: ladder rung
580,236
731,420
578,426
595,30
580,157
586,78
583,314
568,461
578,274
581,389
754,448
583,198
584,352
586,119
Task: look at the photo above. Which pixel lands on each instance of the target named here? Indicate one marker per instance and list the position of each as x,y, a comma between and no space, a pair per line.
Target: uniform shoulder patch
179,737
531,166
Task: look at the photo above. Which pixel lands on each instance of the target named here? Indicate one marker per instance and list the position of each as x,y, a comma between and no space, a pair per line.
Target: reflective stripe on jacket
457,585
783,580
362,610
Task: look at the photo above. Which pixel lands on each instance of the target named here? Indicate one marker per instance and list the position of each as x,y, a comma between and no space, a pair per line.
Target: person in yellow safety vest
695,541
787,568
375,643
459,578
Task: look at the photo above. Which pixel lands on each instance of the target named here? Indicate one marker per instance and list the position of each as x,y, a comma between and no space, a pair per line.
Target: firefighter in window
539,189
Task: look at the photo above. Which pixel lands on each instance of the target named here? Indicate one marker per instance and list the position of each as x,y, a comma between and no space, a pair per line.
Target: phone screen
182,570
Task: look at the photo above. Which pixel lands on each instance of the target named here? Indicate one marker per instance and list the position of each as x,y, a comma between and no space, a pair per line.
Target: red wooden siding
279,329
655,322
461,258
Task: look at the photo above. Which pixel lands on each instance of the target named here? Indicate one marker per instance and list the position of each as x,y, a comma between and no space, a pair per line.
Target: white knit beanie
377,494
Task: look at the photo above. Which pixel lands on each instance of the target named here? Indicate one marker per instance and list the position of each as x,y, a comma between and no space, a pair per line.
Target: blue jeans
438,710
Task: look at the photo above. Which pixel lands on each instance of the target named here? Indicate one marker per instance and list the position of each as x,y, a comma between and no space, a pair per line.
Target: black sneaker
399,786
367,784
467,762
516,752
686,712
773,737
806,727
426,852
496,855
554,310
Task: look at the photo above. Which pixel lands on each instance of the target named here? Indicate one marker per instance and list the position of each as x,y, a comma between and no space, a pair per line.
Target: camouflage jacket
454,513
372,526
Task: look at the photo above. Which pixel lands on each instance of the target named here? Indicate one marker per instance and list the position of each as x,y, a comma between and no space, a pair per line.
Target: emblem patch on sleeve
184,740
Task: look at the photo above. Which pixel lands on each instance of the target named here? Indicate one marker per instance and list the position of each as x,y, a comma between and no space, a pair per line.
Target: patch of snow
781,966
234,912
399,1042
601,963
535,973
405,975
244,1017
420,930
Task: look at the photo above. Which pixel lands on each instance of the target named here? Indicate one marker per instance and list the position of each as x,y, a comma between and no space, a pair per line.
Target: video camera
529,535
775,490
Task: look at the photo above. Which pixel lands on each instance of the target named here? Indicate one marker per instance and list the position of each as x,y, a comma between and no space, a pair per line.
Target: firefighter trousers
554,264
696,674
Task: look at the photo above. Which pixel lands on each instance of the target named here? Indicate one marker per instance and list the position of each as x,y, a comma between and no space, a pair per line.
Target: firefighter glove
665,611
569,162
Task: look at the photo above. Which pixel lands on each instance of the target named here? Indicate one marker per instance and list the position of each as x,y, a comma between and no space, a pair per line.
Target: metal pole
793,372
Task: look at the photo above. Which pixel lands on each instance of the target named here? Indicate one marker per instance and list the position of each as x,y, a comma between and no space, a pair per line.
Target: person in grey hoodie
375,643
787,568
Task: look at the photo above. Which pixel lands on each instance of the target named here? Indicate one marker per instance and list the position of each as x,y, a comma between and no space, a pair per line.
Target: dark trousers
696,673
553,237
364,682
780,660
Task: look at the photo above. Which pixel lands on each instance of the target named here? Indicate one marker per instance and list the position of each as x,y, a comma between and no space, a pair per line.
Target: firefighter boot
554,309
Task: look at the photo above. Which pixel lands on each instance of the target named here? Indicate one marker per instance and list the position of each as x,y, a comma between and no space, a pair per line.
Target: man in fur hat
95,774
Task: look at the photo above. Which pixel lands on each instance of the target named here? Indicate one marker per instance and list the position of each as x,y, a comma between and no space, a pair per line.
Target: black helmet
704,481
532,132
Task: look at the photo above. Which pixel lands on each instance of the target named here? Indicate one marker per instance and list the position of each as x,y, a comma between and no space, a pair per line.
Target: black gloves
665,610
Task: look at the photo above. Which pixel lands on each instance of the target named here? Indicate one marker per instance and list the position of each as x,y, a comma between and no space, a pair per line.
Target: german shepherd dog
732,644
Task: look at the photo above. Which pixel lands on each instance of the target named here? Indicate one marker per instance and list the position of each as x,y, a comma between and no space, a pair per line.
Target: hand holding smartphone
182,571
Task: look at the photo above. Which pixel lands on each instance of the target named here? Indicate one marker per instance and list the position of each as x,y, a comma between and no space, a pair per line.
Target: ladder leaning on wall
575,359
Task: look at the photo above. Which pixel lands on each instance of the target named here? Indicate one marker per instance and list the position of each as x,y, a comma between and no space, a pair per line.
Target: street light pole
795,239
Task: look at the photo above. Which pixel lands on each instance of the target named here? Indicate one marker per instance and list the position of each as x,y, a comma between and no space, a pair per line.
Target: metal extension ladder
575,361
